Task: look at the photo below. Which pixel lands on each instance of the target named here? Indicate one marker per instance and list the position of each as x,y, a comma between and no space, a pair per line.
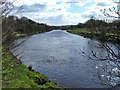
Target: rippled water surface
57,54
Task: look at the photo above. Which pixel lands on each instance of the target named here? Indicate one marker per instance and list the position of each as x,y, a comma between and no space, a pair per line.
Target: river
58,55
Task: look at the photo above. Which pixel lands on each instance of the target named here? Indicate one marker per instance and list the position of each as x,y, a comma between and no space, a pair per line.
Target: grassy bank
108,37
17,75
14,73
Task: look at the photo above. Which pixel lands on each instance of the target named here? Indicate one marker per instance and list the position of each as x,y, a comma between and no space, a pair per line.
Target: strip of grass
17,75
78,31
109,37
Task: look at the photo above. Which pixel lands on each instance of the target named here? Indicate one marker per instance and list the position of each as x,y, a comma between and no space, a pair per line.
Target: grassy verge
17,75
109,37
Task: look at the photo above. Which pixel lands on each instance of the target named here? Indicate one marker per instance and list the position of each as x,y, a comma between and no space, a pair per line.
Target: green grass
17,75
109,37
79,31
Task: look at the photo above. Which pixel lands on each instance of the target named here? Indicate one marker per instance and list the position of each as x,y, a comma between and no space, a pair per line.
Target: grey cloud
102,4
72,2
32,8
89,15
51,20
56,17
59,9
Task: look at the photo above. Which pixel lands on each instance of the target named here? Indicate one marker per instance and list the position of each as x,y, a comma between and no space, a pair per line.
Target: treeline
24,25
66,27
104,26
104,31
13,26
100,30
93,25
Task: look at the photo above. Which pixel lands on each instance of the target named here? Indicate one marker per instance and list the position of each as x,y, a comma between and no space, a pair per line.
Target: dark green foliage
13,27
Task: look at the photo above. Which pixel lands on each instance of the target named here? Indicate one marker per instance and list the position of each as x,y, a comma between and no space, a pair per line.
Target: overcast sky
62,12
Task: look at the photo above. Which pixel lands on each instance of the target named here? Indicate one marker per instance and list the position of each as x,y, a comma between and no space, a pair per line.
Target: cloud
88,15
56,18
34,8
62,12
72,2
102,4
51,19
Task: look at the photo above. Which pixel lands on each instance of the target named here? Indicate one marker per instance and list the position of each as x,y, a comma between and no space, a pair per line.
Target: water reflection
109,73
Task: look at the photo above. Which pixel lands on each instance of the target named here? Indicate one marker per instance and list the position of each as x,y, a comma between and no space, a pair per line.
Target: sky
62,12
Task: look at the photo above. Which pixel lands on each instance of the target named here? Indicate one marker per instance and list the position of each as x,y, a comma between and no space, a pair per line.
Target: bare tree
113,52
8,8
112,55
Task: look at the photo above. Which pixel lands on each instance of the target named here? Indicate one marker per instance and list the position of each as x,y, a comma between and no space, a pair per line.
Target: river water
58,55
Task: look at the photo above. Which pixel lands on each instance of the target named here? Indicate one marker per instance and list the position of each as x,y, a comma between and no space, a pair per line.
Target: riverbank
17,75
14,73
109,37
